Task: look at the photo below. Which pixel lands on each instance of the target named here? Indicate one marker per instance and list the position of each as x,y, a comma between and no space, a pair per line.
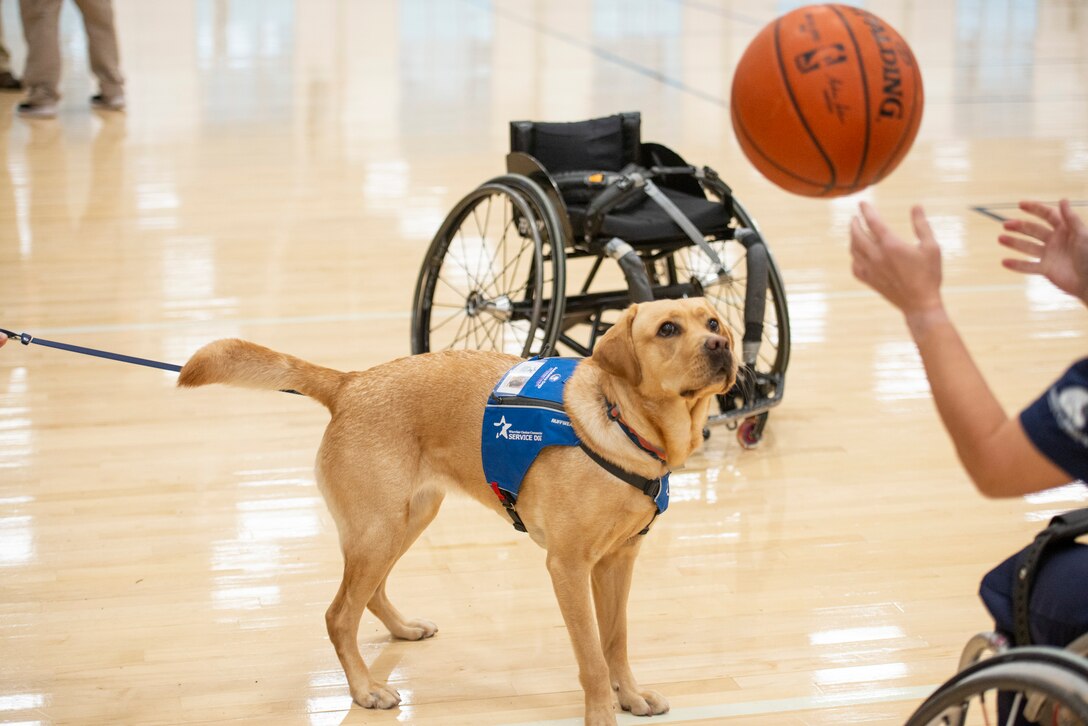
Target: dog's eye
667,330
713,325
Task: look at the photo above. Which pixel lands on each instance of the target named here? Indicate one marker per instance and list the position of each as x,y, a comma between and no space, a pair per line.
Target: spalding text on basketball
891,102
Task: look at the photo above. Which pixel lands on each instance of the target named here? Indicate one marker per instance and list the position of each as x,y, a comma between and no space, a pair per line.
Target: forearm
967,407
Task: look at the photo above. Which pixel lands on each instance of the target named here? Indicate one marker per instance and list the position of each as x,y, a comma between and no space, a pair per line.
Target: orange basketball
827,100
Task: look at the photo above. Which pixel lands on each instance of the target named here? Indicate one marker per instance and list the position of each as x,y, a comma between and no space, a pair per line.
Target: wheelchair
1040,684
1046,685
518,265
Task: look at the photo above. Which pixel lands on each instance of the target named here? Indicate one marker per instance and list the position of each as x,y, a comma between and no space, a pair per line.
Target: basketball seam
865,93
797,109
739,126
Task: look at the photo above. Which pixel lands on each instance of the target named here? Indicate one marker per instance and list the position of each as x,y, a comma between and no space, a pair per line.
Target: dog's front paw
417,629
377,695
643,703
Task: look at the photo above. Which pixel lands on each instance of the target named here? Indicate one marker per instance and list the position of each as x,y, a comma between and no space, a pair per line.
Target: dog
387,460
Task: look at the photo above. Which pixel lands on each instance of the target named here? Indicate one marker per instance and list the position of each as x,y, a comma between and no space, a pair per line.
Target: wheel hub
500,308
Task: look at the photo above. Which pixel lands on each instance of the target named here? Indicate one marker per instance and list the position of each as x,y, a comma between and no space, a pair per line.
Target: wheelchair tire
492,278
1013,670
759,386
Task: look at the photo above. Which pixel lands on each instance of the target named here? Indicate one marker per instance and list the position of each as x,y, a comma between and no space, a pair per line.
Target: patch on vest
524,414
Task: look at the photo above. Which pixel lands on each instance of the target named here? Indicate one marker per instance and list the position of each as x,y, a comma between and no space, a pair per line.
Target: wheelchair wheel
761,379
1041,684
493,278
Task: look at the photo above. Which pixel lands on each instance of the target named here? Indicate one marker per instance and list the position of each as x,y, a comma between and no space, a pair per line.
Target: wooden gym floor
164,555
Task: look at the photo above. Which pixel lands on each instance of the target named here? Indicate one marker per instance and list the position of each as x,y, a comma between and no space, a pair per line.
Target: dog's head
670,348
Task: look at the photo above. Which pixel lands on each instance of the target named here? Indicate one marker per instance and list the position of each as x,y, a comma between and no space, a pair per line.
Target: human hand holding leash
1057,250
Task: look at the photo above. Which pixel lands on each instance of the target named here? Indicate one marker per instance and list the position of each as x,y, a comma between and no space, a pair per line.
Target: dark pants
1058,611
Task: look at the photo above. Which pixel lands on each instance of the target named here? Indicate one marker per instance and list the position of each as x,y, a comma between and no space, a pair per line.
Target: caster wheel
750,432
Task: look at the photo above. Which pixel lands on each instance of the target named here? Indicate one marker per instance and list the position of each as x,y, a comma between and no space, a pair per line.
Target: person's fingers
1021,244
1027,267
860,241
922,230
1032,229
1072,219
880,231
1043,211
860,272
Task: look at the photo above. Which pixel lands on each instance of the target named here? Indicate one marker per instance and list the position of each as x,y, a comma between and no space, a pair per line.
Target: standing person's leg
104,55
8,82
42,76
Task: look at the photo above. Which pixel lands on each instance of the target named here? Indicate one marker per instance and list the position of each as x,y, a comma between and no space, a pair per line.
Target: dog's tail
241,363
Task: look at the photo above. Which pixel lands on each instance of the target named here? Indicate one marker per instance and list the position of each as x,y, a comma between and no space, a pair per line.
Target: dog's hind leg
421,512
368,555
611,587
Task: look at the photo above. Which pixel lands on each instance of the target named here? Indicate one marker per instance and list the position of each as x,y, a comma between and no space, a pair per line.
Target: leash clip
24,338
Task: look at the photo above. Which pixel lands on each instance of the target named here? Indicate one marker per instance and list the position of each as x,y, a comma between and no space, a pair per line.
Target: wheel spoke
448,318
493,254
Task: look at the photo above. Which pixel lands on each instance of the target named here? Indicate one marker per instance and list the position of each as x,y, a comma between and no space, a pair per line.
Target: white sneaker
37,109
108,103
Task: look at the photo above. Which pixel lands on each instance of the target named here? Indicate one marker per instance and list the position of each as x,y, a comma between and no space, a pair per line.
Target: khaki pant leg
5,56
41,27
102,49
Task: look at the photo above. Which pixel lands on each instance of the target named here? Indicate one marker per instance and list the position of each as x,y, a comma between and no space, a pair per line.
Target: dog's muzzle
718,354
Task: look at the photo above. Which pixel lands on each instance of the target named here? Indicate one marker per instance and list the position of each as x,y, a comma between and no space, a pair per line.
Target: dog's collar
613,412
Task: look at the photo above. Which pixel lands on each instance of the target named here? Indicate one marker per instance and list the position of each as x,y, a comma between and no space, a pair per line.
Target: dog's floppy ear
615,351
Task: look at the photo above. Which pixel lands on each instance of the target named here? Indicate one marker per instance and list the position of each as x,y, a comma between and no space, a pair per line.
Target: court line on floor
601,53
755,708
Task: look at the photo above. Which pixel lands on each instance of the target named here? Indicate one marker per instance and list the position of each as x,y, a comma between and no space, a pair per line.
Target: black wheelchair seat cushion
647,223
594,144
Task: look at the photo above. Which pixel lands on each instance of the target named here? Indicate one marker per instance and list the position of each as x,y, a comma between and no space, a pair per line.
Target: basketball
826,100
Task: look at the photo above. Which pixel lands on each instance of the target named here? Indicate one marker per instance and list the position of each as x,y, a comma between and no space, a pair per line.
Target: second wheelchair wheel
1009,691
492,279
761,380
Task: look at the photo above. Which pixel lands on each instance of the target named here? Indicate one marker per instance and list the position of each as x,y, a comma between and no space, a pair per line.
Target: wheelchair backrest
606,144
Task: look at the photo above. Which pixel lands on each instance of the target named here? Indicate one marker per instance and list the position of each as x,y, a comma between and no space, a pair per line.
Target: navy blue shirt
1057,422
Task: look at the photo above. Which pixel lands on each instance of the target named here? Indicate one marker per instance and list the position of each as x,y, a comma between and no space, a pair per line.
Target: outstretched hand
1057,248
907,275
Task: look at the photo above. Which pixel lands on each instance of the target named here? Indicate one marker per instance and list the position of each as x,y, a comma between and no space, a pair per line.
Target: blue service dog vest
525,414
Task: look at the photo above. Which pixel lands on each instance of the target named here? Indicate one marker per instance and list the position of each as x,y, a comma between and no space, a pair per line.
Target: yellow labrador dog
387,461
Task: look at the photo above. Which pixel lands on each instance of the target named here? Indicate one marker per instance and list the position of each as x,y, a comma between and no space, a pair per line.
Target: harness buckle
508,504
653,488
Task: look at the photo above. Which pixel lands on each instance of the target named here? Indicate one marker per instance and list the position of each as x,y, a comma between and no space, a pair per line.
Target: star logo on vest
504,428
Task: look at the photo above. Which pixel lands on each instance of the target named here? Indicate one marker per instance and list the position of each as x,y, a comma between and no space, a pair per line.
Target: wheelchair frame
1045,680
531,312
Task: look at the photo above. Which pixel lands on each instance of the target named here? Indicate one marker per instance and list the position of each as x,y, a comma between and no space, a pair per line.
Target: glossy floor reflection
164,555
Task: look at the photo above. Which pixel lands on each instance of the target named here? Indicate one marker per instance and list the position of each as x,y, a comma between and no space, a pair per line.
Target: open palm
1055,247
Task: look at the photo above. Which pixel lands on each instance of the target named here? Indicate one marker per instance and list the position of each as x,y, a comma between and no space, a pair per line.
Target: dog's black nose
716,342
717,351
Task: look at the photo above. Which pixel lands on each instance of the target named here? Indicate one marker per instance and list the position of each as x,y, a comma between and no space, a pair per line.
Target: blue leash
27,339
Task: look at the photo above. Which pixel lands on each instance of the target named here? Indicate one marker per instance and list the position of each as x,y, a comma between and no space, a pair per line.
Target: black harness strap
1062,529
649,487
